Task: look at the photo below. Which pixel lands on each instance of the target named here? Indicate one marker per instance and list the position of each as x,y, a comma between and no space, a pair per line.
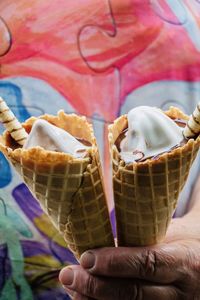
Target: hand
168,271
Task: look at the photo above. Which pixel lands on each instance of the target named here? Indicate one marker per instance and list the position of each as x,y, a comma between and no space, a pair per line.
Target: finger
78,296
146,292
148,263
69,292
75,296
67,278
158,292
102,288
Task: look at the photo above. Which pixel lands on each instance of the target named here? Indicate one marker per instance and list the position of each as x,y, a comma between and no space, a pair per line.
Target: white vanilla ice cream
52,138
150,133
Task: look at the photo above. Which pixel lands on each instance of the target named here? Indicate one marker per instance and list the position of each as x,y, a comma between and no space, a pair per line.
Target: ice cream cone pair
71,190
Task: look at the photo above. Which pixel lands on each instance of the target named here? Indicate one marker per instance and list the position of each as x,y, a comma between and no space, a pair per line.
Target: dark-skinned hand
168,271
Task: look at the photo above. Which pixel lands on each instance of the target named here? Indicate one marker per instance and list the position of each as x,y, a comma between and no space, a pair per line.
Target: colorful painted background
94,57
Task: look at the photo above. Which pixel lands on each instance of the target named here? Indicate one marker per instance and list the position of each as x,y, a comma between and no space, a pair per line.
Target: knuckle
90,287
149,263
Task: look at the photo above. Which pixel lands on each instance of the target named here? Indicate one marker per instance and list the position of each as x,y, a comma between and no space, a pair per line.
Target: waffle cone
146,193
70,190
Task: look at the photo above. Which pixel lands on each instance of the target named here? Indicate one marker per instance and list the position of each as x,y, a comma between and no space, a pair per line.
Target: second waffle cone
146,193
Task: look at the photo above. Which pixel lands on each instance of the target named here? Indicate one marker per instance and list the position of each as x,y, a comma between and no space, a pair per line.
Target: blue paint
39,97
5,172
13,96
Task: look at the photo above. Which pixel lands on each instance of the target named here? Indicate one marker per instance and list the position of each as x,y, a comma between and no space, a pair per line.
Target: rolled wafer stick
192,128
11,123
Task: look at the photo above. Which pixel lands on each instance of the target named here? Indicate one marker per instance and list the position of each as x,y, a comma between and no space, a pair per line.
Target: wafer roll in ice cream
151,161
60,164
12,124
192,128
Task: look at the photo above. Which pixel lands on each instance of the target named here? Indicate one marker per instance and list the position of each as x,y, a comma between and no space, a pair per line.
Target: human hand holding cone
69,189
146,191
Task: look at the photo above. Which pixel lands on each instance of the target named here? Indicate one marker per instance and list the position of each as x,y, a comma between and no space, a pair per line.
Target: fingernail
87,260
66,276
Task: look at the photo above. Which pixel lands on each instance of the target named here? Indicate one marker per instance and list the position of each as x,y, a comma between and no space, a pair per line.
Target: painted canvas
93,57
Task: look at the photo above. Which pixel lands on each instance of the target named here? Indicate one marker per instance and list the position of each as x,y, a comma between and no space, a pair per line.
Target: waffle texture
146,193
70,190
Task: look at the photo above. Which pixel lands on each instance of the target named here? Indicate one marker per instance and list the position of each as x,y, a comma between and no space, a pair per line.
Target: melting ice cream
150,133
52,138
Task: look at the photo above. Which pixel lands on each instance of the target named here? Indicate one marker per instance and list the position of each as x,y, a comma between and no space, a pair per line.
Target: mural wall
93,57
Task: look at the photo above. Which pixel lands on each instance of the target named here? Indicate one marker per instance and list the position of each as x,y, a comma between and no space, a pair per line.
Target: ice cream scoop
53,138
150,132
